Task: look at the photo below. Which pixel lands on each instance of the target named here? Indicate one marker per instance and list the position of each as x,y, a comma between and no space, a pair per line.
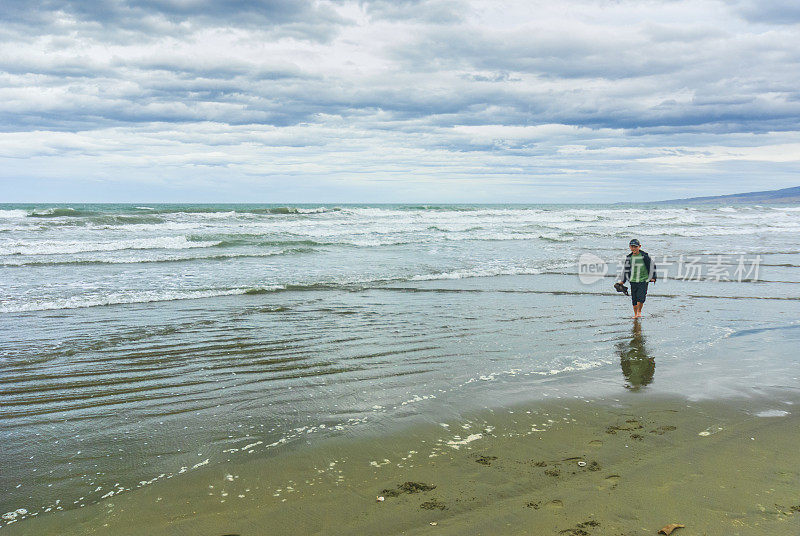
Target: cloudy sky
397,100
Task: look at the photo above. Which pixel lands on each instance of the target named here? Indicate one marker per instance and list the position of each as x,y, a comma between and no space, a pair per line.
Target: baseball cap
634,242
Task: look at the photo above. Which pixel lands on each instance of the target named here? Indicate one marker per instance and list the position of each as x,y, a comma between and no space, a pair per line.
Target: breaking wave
55,247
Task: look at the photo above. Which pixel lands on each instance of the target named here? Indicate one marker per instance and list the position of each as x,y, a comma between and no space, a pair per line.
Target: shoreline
643,372
710,465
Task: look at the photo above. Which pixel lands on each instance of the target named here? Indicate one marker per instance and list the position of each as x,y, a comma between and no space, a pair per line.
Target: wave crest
56,247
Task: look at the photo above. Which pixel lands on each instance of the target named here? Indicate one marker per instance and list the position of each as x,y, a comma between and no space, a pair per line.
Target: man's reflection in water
637,367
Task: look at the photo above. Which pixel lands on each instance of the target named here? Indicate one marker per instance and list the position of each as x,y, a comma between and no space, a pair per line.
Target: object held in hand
619,287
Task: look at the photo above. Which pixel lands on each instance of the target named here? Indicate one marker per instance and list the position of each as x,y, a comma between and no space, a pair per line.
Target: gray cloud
428,11
130,13
134,20
769,11
451,87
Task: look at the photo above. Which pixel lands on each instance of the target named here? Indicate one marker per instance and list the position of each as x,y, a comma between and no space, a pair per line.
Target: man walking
639,269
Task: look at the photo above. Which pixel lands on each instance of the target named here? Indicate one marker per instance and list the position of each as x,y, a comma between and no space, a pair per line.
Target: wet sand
573,466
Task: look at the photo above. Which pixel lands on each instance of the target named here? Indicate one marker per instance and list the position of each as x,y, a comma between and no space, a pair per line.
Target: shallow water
140,345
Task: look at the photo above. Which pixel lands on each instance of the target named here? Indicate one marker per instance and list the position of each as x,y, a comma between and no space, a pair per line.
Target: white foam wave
772,413
55,247
212,215
477,272
715,230
372,226
319,210
13,213
118,298
137,259
457,442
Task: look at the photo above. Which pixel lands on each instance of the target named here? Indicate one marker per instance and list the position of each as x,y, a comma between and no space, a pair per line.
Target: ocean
146,343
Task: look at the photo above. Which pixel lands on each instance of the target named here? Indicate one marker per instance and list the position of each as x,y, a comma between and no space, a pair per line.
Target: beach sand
573,466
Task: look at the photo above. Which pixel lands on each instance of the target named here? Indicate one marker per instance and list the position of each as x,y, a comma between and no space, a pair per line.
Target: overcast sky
397,100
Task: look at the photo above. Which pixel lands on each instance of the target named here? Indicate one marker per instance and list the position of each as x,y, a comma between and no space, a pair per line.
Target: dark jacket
648,264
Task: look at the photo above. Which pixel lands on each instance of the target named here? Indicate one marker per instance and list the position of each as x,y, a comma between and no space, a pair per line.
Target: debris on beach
581,529
485,460
406,487
669,528
416,487
380,498
433,504
633,424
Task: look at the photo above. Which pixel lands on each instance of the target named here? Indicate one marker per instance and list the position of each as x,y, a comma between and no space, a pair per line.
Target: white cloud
341,93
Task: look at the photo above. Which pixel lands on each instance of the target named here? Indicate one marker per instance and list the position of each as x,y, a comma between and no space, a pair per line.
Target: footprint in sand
661,430
555,504
595,443
610,482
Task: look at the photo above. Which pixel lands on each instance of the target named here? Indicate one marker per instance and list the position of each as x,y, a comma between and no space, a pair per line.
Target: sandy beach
573,466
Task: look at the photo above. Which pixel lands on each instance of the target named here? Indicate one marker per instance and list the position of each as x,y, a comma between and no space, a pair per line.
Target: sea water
142,342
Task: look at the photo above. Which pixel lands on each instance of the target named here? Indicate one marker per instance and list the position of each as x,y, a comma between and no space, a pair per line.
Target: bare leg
637,310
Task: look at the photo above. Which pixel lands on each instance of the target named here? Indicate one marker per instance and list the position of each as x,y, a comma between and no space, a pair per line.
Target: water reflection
637,366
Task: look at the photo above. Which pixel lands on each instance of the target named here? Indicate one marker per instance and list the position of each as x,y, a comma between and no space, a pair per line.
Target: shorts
638,291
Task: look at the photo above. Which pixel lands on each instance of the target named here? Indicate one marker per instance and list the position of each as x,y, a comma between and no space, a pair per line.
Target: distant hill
785,195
